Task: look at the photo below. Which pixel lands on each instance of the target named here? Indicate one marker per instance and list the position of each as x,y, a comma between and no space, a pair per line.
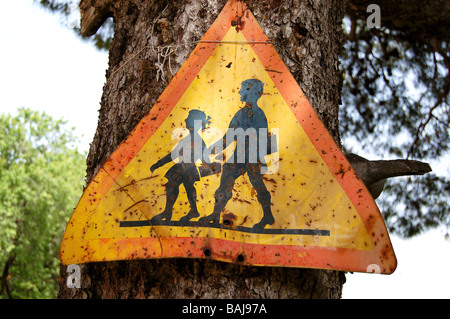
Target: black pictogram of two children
185,171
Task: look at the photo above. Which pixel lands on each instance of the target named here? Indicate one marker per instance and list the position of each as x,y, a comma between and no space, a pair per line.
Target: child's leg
192,197
172,190
224,193
263,195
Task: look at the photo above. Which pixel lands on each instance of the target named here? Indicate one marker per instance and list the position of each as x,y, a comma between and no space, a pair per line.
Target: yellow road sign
233,164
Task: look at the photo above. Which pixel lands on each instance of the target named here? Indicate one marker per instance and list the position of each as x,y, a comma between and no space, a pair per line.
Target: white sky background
48,68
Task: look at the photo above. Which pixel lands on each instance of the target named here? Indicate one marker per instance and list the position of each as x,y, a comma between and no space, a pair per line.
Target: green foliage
395,95
41,180
419,203
395,98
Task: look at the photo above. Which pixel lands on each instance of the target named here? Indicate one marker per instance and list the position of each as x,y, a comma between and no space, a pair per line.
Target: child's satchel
207,169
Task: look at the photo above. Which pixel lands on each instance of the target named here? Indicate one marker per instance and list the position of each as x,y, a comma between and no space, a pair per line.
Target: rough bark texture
308,36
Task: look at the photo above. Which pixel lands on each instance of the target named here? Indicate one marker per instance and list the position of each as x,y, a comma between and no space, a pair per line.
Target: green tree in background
41,180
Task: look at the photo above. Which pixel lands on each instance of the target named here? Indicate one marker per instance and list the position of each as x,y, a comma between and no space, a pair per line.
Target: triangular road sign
292,199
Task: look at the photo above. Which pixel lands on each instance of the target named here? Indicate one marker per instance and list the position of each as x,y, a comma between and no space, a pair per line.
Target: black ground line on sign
269,231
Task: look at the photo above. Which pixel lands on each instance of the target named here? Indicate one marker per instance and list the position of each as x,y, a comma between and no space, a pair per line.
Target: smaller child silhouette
185,171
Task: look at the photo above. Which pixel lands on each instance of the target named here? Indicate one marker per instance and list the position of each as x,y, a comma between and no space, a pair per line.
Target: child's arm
220,145
163,161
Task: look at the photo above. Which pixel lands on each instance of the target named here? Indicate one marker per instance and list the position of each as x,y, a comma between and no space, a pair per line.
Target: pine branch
374,173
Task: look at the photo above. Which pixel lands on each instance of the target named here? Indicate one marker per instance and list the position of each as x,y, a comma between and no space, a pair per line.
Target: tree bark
307,35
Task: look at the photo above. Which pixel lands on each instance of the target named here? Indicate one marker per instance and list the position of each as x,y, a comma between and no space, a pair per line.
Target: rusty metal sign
233,164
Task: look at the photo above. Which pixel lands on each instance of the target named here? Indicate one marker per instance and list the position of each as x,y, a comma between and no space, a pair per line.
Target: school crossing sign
232,164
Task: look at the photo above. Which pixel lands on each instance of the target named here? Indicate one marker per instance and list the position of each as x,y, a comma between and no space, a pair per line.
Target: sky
46,67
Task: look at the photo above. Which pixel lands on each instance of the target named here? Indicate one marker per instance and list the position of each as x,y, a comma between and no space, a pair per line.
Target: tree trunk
307,35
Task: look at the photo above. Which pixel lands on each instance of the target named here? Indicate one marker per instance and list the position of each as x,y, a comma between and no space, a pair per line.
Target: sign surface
233,164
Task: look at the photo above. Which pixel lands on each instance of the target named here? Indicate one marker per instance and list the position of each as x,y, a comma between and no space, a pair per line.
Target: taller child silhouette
243,161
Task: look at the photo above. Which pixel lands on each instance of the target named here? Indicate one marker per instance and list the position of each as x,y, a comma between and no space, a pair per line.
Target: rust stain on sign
276,191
